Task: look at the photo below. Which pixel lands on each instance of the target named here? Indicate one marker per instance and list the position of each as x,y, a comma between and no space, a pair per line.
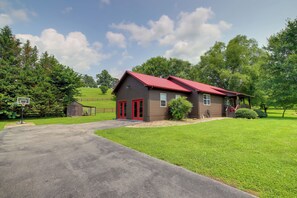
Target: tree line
23,73
269,74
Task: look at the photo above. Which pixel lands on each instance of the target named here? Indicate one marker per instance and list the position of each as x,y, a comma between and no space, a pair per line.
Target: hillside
94,97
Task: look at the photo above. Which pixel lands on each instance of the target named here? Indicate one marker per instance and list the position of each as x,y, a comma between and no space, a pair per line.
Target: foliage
281,67
89,81
253,155
163,67
260,113
179,108
105,79
233,67
245,113
103,89
50,85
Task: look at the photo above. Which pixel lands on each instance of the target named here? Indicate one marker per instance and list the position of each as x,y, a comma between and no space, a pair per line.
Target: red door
137,109
122,109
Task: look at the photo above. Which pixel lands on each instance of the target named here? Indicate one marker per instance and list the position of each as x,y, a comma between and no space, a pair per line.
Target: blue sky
116,35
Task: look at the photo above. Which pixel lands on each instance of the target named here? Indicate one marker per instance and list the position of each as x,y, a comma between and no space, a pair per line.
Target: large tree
234,66
281,67
104,79
163,67
50,85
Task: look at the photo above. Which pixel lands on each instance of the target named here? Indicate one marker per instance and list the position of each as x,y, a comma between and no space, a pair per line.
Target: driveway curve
70,161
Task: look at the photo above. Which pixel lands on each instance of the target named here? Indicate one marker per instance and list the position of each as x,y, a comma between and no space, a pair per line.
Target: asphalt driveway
70,161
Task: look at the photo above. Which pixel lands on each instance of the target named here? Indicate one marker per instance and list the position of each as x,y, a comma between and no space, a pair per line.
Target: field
258,156
94,97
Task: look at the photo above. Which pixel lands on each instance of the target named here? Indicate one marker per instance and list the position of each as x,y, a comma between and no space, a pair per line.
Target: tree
89,81
104,79
281,67
50,85
234,67
162,67
103,89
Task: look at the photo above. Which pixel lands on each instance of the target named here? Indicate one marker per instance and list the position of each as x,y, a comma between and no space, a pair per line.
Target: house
145,97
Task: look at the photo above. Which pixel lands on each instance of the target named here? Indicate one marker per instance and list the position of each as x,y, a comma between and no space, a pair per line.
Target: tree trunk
284,112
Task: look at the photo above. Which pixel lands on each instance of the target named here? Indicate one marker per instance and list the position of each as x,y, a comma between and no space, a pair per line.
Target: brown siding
193,98
157,112
215,109
132,89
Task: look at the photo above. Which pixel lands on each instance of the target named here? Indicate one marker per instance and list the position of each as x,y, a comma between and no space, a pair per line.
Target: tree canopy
280,68
50,85
89,81
234,66
163,67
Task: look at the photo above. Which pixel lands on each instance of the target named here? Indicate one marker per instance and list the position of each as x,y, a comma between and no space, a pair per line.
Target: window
177,96
163,100
206,99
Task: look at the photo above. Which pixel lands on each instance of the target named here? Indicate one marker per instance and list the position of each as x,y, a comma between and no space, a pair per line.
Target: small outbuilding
78,109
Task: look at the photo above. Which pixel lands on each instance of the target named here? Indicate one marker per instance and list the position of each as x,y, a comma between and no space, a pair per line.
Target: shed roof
154,82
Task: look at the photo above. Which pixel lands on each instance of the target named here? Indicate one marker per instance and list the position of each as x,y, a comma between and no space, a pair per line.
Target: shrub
260,113
245,113
179,108
104,89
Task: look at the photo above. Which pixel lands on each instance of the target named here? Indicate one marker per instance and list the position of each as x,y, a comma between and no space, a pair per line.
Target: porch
234,102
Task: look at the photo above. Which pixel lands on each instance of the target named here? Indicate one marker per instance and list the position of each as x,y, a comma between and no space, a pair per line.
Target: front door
122,109
137,109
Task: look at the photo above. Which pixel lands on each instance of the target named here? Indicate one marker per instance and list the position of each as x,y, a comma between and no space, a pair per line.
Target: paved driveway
70,161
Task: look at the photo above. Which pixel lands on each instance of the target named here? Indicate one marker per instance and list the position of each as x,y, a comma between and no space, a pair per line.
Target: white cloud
143,35
19,15
188,37
5,20
10,15
67,10
105,2
72,50
117,39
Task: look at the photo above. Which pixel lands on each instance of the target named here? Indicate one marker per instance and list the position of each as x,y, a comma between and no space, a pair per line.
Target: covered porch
237,101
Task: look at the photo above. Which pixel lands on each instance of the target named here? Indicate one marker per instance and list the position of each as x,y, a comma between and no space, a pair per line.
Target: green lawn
93,93
94,96
65,120
258,156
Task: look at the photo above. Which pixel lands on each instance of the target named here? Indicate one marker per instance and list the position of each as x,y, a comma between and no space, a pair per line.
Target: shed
78,109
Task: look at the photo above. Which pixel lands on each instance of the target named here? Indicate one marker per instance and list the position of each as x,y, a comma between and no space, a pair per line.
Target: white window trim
165,100
207,100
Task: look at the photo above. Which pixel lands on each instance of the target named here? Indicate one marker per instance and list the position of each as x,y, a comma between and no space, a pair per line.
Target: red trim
137,101
121,104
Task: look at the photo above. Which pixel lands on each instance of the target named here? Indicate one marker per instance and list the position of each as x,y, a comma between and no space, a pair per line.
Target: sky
116,35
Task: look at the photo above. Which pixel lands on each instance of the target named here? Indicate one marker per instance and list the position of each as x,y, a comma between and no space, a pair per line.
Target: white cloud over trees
73,50
187,37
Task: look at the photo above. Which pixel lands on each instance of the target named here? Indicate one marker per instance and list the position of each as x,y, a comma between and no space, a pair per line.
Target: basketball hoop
23,101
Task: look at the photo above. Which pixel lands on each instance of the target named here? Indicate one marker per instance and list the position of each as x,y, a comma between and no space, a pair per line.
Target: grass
92,94
258,156
64,120
87,92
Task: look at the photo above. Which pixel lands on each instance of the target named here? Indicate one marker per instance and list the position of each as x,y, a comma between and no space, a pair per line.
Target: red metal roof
200,86
161,83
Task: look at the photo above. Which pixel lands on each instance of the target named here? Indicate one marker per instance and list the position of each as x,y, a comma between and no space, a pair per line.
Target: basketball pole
22,117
